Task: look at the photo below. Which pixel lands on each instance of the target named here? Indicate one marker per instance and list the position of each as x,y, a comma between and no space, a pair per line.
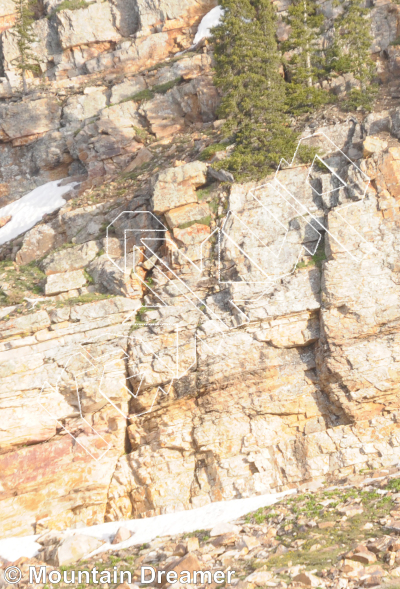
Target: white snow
31,208
210,20
145,530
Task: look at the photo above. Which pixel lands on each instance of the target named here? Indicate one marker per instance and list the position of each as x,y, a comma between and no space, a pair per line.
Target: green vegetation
22,281
305,65
202,535
258,101
205,193
317,258
202,221
247,65
211,150
149,93
89,297
27,60
350,53
163,88
70,5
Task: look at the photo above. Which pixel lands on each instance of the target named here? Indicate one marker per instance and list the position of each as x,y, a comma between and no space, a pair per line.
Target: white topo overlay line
145,530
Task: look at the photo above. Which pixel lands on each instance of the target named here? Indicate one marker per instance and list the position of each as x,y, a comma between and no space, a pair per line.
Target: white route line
93,363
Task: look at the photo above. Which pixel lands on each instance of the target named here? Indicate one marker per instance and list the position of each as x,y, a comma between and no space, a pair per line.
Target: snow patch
145,530
210,20
30,209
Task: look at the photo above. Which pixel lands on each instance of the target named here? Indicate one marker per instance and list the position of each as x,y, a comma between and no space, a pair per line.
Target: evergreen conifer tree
247,66
27,60
306,63
350,53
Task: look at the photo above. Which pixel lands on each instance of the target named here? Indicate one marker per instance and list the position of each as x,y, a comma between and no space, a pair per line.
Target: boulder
192,544
143,156
57,283
122,535
188,563
197,233
259,578
35,117
73,26
70,259
308,579
86,105
224,528
109,276
5,220
373,145
38,242
74,548
187,214
127,89
175,187
165,115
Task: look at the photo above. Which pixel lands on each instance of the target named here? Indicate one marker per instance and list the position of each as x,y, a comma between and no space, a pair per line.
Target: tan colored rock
197,233
192,544
22,119
38,242
350,510
75,548
325,525
224,528
122,535
64,282
177,186
127,89
373,145
70,259
362,554
259,578
86,105
143,156
188,563
308,579
225,539
73,30
5,220
187,214
180,549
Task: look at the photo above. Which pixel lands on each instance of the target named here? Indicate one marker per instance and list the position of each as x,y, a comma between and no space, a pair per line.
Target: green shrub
211,150
70,5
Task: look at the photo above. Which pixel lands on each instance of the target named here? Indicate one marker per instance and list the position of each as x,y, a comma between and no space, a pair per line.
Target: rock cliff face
192,341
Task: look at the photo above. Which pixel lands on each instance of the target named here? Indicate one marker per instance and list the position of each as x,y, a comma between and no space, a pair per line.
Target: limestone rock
175,187
373,145
64,282
70,259
31,118
5,220
73,30
143,156
308,579
38,242
192,544
75,548
108,275
259,578
224,528
122,535
84,106
188,563
127,89
187,214
197,233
